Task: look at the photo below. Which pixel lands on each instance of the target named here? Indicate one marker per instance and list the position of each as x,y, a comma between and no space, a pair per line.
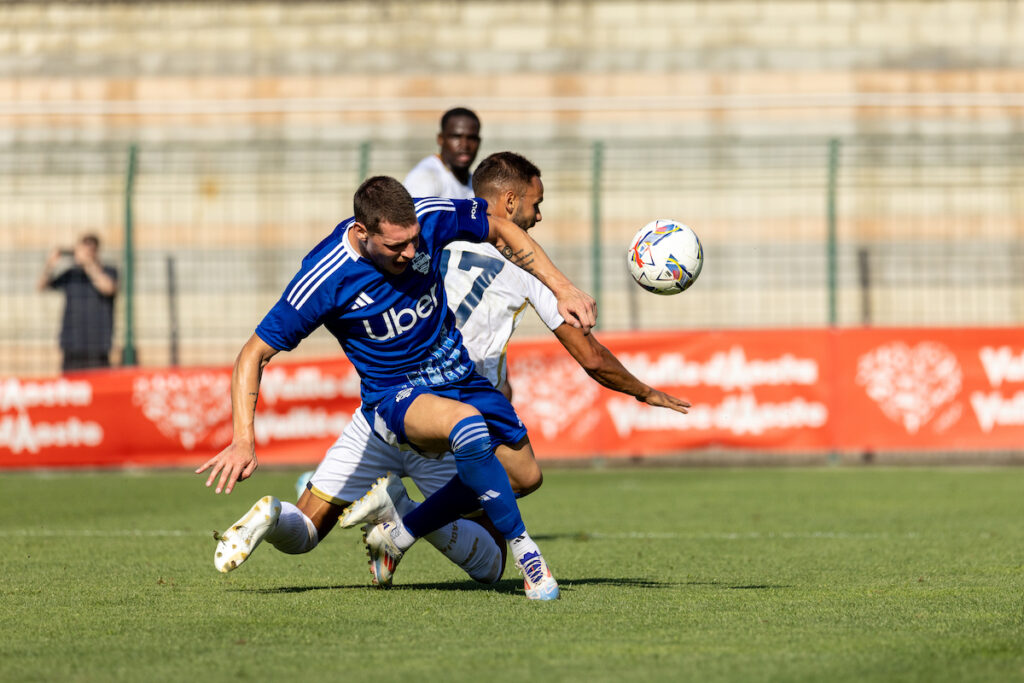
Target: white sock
521,545
294,533
401,536
471,547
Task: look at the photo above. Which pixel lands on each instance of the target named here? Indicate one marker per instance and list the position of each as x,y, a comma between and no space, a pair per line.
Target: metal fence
797,232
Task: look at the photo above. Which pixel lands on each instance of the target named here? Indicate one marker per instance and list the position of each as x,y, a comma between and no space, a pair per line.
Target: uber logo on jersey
421,263
404,319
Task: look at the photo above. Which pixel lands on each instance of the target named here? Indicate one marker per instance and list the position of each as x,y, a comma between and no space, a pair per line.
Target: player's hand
577,308
663,400
234,464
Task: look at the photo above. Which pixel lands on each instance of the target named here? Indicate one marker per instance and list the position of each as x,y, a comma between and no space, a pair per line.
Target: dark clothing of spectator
87,328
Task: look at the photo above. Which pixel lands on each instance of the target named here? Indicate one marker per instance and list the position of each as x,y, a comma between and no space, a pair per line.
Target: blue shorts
387,417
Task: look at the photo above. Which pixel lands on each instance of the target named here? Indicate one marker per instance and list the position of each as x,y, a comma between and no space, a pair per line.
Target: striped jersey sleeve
469,224
309,297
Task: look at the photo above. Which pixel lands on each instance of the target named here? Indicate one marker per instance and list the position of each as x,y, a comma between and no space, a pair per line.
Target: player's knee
527,481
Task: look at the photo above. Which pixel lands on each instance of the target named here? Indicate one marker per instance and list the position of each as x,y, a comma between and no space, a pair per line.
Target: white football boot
384,554
235,545
537,578
380,504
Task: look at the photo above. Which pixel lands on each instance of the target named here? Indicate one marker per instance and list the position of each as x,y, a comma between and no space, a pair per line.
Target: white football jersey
431,178
488,295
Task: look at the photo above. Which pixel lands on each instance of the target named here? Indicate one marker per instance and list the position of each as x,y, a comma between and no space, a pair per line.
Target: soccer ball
665,257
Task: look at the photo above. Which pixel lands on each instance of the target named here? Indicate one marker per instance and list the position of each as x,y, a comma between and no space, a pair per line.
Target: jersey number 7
467,261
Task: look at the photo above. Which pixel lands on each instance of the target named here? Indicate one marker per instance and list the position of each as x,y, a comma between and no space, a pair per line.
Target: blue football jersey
395,329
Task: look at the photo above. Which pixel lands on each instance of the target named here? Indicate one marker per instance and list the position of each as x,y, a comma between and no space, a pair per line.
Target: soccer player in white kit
488,299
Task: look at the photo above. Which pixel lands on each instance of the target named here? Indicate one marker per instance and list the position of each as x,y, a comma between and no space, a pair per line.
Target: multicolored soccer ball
665,257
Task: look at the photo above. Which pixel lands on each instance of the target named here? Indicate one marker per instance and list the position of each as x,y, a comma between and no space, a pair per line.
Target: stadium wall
542,68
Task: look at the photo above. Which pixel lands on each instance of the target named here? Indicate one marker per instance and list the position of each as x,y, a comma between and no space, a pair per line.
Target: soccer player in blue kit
375,284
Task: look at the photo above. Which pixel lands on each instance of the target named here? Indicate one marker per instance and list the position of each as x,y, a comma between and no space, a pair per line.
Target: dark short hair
503,171
459,112
91,238
382,198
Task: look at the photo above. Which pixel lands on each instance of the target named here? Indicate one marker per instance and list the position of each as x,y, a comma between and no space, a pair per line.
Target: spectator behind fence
89,287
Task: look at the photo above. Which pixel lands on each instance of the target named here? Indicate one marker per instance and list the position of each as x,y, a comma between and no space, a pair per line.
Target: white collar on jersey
347,245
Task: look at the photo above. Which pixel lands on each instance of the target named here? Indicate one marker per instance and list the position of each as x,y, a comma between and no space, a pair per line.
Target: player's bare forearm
577,307
605,369
612,374
522,258
517,246
238,461
245,385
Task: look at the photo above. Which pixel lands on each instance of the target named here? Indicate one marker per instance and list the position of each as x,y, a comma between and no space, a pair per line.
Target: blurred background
845,163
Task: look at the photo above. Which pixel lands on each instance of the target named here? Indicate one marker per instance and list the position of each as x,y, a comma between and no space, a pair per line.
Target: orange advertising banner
763,389
949,390
814,390
171,416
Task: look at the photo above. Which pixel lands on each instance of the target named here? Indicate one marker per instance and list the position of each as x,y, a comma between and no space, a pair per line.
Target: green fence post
364,161
832,244
597,166
128,356
833,247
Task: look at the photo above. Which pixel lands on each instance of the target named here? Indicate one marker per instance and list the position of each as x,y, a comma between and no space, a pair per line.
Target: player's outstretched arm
577,307
238,460
602,365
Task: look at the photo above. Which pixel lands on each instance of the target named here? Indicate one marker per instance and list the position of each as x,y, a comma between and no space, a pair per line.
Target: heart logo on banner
910,384
186,408
550,395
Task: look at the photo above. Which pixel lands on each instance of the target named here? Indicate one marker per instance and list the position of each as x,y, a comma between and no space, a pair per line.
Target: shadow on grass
739,587
584,536
507,586
499,587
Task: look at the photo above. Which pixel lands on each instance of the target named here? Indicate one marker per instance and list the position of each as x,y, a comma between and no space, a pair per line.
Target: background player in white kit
488,300
492,300
446,174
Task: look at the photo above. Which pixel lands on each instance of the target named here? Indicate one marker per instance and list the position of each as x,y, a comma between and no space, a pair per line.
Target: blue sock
481,482
481,471
445,505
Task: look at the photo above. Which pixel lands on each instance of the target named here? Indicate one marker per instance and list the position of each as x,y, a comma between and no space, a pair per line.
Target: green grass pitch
831,574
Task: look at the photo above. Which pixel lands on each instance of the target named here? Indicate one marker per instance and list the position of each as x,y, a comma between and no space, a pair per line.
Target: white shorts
355,461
